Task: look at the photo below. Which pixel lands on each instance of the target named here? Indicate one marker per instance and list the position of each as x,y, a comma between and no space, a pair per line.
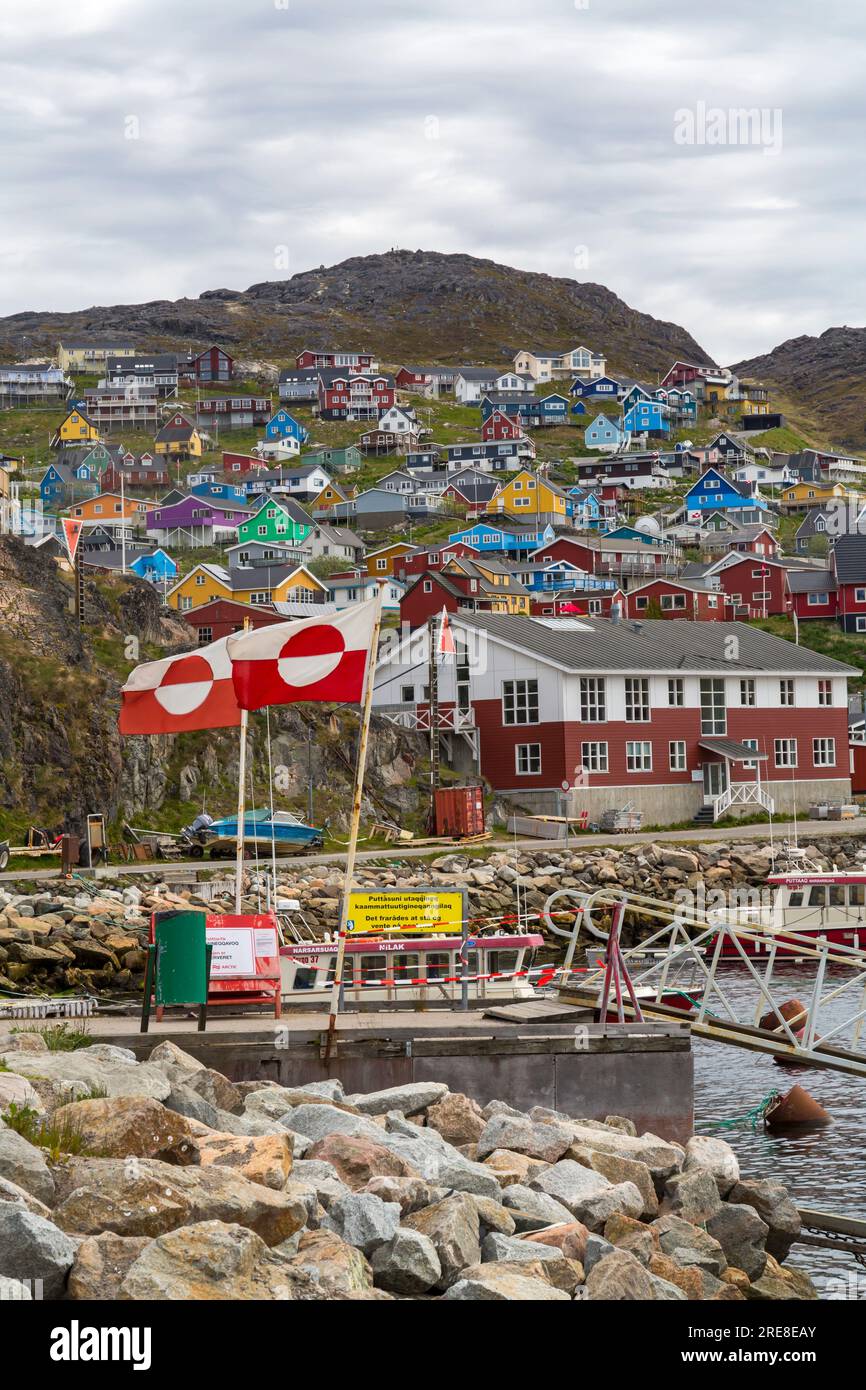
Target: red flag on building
181,693
446,645
320,659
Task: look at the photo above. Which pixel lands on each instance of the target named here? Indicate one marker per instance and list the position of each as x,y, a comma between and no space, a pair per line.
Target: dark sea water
822,1168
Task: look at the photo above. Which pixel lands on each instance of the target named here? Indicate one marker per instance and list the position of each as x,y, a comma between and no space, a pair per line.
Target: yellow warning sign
428,912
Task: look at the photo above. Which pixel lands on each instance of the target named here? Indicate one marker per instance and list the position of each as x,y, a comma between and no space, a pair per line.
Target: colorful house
646,417
604,387
262,584
527,494
278,520
193,521
283,425
488,539
110,507
499,426
715,492
75,428
602,433
156,566
178,438
382,562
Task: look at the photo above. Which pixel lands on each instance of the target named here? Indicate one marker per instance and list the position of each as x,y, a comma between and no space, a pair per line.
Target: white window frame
523,752
637,751
825,747
594,756
787,748
677,755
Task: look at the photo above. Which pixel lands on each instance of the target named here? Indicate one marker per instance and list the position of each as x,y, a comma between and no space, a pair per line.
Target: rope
752,1117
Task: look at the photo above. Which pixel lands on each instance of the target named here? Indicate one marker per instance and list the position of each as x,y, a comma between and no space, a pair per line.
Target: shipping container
459,811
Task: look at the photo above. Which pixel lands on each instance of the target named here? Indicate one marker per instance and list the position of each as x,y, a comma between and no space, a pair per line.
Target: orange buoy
795,1107
793,1012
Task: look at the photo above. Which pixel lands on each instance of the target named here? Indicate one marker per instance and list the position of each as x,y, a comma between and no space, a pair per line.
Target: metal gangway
687,942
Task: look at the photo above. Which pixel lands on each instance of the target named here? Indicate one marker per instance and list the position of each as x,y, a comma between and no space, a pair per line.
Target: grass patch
57,1138
62,1037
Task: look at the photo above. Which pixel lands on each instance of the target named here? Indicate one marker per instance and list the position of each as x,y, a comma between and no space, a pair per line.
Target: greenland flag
322,659
181,693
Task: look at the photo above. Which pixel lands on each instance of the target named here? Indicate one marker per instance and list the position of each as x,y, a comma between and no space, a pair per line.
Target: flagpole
242,769
355,826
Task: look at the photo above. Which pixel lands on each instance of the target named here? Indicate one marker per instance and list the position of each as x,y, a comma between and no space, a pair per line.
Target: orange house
108,507
381,562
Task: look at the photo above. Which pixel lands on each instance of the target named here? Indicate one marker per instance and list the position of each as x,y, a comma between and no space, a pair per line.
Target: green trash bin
178,967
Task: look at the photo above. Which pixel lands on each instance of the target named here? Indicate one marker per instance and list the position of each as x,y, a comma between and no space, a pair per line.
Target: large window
747,692
713,713
786,752
520,702
639,756
594,756
677,755
825,692
676,691
786,692
593,707
637,702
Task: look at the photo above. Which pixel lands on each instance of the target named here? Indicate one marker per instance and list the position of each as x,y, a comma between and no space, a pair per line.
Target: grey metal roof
662,645
729,748
849,554
811,581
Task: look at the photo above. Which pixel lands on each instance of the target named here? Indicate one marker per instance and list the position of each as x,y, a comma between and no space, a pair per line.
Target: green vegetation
62,1037
826,638
58,1138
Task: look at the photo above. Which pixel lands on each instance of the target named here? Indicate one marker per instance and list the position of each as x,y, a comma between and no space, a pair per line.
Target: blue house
533,412
646,417
630,533
501,540
155,566
578,408
634,394
62,483
714,492
282,425
603,386
591,512
681,403
602,433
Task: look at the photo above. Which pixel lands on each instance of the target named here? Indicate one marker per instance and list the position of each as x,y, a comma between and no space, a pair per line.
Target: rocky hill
824,377
62,757
403,305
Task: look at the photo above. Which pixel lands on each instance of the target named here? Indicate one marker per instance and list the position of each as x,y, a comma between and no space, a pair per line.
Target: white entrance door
715,781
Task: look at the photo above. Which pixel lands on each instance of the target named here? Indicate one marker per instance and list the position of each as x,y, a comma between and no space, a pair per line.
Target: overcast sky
157,148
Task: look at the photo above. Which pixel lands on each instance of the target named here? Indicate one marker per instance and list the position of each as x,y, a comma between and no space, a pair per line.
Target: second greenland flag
320,659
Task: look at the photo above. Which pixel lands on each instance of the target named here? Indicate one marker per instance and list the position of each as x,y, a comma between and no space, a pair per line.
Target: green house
337,460
277,519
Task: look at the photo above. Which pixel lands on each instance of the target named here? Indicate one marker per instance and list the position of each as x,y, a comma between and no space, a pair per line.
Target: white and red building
354,395
681,719
328,359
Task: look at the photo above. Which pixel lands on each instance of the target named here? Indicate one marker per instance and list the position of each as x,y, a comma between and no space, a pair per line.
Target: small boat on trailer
284,830
391,972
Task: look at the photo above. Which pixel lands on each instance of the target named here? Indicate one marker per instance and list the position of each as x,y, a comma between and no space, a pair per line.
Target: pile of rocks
69,937
165,1180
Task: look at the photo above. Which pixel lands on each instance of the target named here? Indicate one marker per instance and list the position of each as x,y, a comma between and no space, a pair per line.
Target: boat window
818,896
348,970
305,978
858,894
373,968
796,898
500,962
439,965
406,968
836,895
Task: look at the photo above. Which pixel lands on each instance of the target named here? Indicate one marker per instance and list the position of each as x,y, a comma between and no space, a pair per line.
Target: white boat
389,971
823,904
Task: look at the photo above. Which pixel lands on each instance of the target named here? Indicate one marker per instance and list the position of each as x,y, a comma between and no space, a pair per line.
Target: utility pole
433,702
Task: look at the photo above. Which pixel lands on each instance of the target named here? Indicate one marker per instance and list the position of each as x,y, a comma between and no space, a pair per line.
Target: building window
673,601
528,759
637,706
825,692
786,752
593,757
677,755
750,743
520,702
639,756
407,694
713,713
824,752
593,708
786,692
205,634
676,692
747,692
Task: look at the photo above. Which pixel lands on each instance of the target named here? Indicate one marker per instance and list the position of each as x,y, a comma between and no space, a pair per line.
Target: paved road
806,831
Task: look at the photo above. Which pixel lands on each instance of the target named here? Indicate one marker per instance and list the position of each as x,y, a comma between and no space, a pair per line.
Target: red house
326,360
144,471
848,562
757,587
499,426
354,395
214,364
593,603
242,463
425,558
223,616
814,593
677,598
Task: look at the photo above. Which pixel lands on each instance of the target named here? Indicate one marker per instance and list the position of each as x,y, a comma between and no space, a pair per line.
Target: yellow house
178,439
328,497
91,357
489,584
75,429
799,497
527,494
381,562
207,582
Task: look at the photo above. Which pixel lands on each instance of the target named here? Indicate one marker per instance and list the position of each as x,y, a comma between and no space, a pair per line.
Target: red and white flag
181,693
72,535
322,659
446,645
